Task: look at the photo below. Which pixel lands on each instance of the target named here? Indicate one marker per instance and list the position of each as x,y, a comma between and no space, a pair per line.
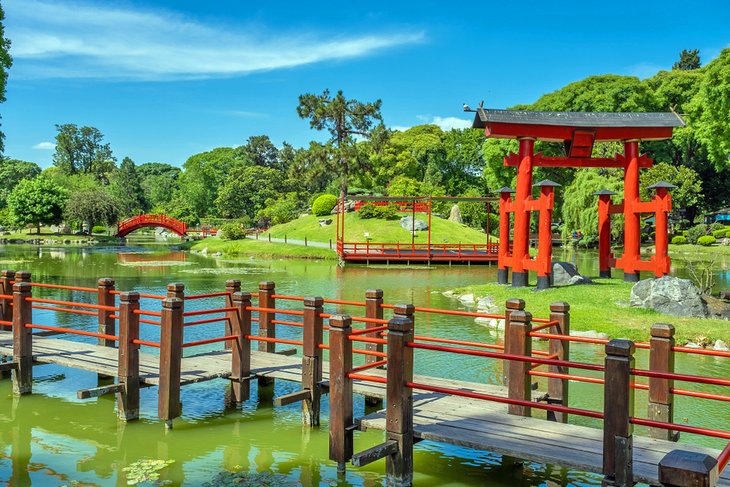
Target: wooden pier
487,417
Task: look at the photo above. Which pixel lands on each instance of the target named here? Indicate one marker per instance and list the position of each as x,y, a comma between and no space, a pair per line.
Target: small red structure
125,227
368,250
578,132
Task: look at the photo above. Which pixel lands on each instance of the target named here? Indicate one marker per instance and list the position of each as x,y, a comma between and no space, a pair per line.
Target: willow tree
345,120
580,205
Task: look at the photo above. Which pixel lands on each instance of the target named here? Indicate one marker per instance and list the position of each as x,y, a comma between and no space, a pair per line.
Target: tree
12,171
159,182
81,151
580,206
246,190
91,206
344,119
688,60
126,190
5,62
710,110
37,201
688,189
260,151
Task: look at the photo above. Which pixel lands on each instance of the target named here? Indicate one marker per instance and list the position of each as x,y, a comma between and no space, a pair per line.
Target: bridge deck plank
448,419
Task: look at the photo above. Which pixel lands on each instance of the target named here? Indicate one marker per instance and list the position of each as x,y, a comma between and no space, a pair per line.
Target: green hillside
443,231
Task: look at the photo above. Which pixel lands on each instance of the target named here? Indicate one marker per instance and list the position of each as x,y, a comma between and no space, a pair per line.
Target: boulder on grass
407,223
566,274
669,295
455,215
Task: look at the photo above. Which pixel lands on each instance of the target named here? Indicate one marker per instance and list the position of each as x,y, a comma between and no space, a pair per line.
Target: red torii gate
578,131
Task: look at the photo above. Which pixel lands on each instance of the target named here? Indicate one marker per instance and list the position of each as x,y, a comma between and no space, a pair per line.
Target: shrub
696,232
719,233
387,212
324,204
232,231
707,240
281,210
717,226
679,240
98,229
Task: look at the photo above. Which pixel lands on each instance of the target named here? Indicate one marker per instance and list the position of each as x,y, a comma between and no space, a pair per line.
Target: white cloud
45,146
77,39
446,123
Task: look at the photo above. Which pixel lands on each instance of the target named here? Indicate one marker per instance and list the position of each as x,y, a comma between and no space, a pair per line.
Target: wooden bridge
482,416
125,227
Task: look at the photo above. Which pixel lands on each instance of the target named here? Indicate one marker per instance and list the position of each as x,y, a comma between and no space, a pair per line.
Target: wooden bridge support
341,413
618,410
128,367
518,372
171,339
240,325
399,398
232,286
558,388
312,359
22,336
107,324
661,398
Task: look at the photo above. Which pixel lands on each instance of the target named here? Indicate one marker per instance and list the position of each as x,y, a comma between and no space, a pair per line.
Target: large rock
566,274
455,215
717,308
407,223
669,295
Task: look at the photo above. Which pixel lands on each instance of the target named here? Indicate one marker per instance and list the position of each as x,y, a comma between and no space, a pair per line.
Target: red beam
547,161
560,133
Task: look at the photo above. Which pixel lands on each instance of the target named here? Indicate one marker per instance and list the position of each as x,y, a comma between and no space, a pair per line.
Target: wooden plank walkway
443,418
486,426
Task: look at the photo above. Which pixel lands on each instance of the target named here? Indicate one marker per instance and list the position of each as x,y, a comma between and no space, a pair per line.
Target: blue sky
166,79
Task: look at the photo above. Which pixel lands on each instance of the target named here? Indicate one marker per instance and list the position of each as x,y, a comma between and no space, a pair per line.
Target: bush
719,233
386,212
98,229
679,240
324,204
367,211
707,240
232,231
282,210
717,226
694,233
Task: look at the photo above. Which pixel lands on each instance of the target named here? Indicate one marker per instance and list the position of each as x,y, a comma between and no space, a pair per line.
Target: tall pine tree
126,189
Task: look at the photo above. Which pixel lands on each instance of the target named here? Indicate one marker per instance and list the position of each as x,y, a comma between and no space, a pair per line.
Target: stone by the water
566,274
721,346
669,295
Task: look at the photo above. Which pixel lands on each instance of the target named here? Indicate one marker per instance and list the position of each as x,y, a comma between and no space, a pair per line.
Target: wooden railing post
128,367
241,347
399,397
509,306
171,339
373,309
618,409
176,290
341,415
312,359
518,372
232,286
558,388
107,325
22,337
681,468
267,329
6,289
661,398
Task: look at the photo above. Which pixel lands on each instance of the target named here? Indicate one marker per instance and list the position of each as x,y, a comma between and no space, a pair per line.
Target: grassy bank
387,231
54,238
604,307
261,248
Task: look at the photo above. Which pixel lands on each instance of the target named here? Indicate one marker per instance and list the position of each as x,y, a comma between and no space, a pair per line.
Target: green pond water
51,438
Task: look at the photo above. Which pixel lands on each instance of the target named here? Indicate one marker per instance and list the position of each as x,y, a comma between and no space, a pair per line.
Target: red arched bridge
125,227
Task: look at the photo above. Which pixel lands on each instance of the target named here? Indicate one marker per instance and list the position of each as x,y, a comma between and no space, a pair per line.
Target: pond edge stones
669,295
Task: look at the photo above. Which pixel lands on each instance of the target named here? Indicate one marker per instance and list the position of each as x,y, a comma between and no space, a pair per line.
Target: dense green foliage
91,207
324,204
6,61
37,202
12,172
706,241
679,240
384,212
233,231
695,233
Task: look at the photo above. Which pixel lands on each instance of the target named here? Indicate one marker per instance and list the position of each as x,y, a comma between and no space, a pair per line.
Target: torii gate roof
565,126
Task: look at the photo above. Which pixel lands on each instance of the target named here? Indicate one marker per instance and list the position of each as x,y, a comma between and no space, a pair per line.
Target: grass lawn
262,248
387,231
604,307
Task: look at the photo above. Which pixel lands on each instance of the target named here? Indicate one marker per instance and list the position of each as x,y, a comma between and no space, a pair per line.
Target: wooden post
241,347
681,468
312,359
6,289
232,286
341,415
618,409
176,290
510,306
128,368
266,327
171,339
518,372
373,309
22,276
661,399
558,388
107,325
399,409
22,338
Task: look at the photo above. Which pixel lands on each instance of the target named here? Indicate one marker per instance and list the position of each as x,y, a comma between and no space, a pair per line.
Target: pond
51,438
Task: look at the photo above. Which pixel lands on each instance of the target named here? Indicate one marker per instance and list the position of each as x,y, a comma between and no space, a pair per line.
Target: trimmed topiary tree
324,204
233,231
694,233
706,241
679,240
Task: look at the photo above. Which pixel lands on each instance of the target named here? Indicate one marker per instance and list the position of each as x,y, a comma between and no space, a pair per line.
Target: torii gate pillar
521,242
